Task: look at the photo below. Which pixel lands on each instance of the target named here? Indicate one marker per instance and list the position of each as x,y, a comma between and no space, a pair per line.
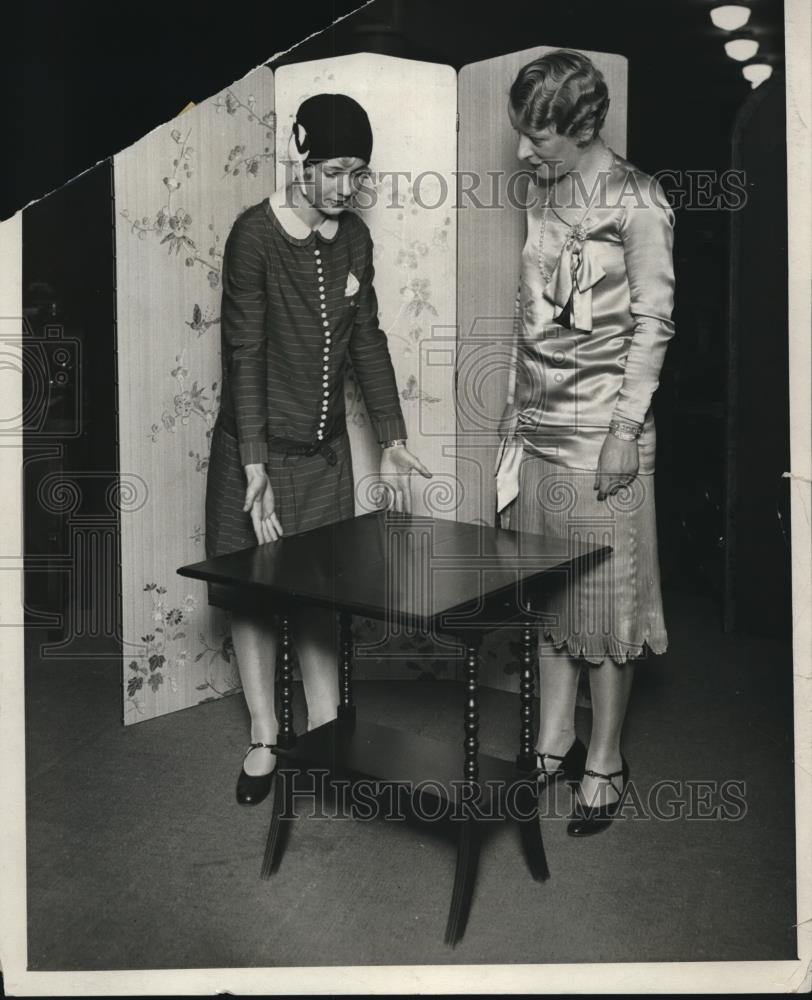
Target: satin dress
592,326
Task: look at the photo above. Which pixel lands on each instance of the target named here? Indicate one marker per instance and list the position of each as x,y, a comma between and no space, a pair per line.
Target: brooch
576,234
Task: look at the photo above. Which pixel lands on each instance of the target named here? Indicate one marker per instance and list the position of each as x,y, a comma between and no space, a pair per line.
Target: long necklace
546,275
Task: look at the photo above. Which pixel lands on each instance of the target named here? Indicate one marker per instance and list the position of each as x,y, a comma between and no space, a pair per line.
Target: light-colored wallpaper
177,193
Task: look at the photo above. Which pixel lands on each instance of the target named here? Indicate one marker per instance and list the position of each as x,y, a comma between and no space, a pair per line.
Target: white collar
291,222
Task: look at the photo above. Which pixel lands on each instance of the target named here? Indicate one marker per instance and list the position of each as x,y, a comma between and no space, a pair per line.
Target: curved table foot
464,879
530,830
281,817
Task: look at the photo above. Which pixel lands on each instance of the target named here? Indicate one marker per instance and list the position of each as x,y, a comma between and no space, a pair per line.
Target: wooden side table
455,582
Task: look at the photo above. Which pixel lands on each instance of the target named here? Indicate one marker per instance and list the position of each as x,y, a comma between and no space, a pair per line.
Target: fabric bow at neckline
576,273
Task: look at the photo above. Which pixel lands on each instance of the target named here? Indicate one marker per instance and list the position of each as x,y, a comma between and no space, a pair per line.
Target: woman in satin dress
577,457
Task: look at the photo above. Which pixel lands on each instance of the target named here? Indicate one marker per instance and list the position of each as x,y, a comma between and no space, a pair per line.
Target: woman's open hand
397,464
618,465
259,500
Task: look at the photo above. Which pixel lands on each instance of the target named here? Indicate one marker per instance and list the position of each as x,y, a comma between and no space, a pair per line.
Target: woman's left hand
397,464
618,465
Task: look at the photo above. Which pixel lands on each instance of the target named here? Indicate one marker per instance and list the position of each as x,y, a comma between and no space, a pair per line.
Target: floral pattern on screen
178,192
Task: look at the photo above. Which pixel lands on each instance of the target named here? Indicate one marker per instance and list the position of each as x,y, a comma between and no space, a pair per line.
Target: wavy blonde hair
564,90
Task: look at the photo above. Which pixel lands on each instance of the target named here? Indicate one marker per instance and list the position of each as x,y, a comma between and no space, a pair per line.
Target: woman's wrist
625,430
395,443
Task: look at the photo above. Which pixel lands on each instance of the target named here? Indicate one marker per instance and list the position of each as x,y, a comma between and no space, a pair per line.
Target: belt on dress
287,446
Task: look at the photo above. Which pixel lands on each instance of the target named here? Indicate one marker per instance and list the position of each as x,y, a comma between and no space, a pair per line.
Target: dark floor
138,856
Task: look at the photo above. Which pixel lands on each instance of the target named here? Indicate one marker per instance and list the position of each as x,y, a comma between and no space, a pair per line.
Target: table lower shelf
365,750
354,750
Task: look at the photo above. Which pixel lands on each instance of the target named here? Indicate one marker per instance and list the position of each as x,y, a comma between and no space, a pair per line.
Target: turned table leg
526,798
468,835
526,758
282,810
346,706
287,737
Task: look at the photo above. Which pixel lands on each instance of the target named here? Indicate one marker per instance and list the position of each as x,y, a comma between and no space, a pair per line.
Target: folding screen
442,264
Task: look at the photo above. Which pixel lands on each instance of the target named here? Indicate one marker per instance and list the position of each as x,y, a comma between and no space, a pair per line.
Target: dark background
85,79
88,82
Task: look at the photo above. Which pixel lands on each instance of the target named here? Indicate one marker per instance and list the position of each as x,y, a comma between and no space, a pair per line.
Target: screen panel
412,109
177,194
490,235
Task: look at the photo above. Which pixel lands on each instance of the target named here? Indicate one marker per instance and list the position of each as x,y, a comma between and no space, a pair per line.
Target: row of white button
327,341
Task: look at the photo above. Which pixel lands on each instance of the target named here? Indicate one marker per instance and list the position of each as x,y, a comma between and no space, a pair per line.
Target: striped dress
296,311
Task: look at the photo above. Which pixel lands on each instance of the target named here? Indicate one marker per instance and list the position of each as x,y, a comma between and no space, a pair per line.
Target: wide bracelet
393,444
625,430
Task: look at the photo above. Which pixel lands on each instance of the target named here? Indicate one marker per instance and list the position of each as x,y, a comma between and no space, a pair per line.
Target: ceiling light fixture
757,73
741,49
730,17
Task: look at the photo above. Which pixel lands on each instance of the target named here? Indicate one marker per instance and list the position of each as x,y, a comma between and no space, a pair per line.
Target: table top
420,571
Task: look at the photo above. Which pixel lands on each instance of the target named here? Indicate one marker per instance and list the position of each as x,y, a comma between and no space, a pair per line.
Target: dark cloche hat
332,125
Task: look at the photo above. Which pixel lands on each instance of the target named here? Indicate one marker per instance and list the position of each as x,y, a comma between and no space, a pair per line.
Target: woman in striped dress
577,460
298,306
